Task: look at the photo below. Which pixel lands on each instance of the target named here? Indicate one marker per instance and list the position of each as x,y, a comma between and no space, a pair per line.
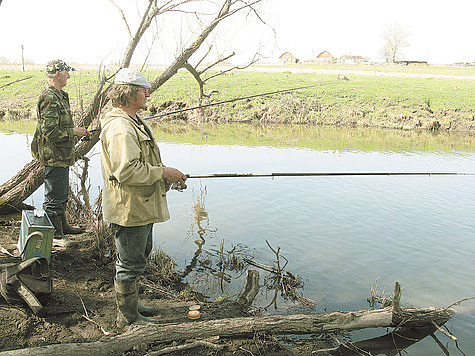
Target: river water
341,235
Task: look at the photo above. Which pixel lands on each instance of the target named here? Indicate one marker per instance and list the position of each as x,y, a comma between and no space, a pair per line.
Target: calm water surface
340,234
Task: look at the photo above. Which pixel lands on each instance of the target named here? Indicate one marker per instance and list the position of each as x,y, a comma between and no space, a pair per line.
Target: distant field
430,69
365,100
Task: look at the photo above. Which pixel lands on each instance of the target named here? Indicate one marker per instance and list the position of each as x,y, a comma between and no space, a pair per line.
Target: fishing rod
225,102
235,99
322,174
178,186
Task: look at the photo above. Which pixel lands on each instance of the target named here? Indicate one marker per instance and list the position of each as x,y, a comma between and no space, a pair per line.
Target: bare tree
29,178
395,38
198,73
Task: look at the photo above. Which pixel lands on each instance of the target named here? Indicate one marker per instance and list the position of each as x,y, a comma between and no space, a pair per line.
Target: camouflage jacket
53,144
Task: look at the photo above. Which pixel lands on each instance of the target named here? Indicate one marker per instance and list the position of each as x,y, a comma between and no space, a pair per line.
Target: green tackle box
36,235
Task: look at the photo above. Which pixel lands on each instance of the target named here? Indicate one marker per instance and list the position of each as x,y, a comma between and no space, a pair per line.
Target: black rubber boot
59,239
69,229
127,304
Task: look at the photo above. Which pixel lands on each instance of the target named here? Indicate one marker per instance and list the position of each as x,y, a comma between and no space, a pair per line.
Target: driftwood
250,290
278,324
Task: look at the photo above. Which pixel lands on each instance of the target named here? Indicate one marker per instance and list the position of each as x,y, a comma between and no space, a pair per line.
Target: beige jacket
133,192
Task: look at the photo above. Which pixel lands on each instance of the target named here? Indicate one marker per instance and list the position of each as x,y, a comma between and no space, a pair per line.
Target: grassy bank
426,103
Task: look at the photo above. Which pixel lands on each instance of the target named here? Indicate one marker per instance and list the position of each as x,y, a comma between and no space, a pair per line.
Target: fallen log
333,322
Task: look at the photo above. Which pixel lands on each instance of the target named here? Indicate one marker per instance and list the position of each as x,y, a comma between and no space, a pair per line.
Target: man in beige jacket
134,189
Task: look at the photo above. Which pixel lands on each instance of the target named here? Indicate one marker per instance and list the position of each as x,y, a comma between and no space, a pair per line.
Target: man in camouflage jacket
53,146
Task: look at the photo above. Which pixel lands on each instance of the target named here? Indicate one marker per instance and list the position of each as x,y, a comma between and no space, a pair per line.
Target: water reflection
216,264
391,344
200,216
317,137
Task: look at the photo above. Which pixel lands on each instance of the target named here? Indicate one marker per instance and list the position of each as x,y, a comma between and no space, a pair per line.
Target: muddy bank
82,308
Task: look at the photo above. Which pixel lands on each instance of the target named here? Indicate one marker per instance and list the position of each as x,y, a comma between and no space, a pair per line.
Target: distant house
464,64
412,63
288,58
348,59
325,57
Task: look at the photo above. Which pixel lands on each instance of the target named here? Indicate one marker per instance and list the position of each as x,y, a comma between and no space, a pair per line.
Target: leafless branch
86,316
459,302
239,9
254,60
188,346
204,56
123,17
217,62
439,329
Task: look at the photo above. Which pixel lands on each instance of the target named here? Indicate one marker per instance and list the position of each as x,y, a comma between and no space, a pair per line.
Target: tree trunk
278,324
20,187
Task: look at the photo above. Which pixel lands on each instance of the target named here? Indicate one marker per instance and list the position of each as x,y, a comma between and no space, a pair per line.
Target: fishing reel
178,186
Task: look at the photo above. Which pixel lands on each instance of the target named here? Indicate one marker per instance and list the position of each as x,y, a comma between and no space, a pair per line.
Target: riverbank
81,314
406,99
82,308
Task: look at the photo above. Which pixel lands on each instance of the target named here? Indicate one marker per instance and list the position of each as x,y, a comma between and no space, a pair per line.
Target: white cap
131,76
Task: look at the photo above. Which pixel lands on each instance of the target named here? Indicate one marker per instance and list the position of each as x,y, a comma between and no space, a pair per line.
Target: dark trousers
56,190
134,245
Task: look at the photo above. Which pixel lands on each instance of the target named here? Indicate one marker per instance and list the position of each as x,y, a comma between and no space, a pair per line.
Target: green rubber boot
127,303
59,239
70,229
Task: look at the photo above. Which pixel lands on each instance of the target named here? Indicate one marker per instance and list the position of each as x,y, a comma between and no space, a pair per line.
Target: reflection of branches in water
215,262
221,264
200,215
281,281
218,263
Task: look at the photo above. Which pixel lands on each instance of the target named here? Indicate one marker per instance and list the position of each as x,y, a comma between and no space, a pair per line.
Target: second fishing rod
227,101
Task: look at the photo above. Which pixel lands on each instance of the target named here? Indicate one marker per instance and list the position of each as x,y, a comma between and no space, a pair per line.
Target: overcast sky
91,31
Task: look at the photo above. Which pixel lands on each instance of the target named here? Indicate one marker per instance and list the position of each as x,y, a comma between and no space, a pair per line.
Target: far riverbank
427,99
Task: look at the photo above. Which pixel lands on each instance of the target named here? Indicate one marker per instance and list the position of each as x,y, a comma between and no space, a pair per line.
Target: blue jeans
134,245
56,190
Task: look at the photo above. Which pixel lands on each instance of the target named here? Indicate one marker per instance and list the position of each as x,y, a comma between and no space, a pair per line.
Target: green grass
363,101
361,91
22,95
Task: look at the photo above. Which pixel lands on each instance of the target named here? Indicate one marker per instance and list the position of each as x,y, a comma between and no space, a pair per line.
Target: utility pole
22,60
